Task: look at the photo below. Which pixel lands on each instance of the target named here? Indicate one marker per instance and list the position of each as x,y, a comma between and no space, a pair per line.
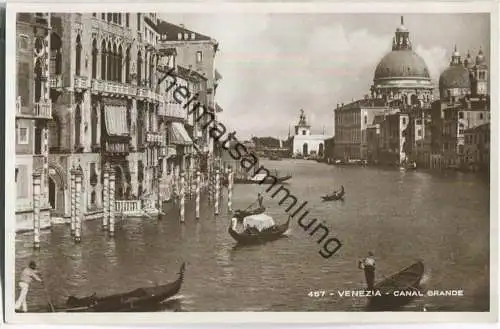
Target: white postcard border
244,317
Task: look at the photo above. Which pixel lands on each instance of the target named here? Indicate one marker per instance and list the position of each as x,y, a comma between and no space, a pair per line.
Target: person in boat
368,265
260,200
338,193
27,275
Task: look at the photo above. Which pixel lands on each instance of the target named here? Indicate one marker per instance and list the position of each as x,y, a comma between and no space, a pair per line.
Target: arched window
109,75
146,66
127,65
151,69
93,119
78,123
55,54
139,69
104,54
78,55
38,80
119,65
94,59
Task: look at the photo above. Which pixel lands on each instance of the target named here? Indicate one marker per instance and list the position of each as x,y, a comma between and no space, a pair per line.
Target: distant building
477,147
305,144
329,150
351,122
464,104
401,83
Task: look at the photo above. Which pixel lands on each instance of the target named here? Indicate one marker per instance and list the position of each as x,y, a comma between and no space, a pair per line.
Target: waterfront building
477,147
304,143
33,113
329,150
401,83
196,53
464,104
92,91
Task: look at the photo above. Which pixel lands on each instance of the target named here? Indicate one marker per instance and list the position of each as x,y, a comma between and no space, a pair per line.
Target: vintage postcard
308,162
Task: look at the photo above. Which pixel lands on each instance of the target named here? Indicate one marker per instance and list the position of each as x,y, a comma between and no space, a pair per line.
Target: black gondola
397,290
255,237
240,214
336,196
267,180
138,300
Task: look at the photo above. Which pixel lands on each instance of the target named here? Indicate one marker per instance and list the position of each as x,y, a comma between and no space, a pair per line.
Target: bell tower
302,128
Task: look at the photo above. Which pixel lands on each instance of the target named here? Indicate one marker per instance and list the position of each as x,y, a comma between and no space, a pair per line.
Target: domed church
402,74
464,78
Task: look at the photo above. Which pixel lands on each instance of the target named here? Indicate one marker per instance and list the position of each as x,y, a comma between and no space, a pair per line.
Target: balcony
116,148
81,83
100,26
113,88
56,82
43,109
175,111
154,137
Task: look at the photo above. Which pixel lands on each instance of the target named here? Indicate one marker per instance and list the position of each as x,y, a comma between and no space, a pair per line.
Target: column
105,216
78,210
36,209
183,195
45,152
112,202
73,200
230,191
217,191
198,186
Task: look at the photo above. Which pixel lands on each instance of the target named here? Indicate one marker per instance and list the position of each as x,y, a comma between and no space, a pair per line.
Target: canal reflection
400,216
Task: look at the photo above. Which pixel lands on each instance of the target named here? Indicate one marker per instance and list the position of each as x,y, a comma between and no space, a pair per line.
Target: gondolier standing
368,265
27,275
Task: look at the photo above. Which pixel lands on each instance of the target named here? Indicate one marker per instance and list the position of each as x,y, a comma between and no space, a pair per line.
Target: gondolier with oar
27,275
368,265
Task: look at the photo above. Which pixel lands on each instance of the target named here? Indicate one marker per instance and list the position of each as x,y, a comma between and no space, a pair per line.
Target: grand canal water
400,216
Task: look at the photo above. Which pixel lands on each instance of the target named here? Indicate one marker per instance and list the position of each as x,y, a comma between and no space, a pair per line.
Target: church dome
403,63
455,76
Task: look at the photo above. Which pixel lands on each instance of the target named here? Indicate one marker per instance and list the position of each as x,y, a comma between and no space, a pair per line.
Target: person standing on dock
27,275
368,265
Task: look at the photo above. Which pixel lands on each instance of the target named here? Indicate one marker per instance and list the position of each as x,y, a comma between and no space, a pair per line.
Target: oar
250,205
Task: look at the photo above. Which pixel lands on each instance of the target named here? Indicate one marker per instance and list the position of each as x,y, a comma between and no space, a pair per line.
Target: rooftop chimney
181,25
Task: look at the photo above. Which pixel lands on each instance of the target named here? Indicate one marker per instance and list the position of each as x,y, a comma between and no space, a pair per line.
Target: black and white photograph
262,161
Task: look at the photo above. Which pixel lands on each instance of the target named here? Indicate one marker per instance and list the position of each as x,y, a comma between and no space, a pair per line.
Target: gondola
264,179
406,284
336,196
255,237
240,214
138,300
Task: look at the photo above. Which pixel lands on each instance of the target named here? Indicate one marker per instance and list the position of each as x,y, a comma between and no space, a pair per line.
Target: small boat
336,196
405,282
274,158
259,179
138,300
241,214
257,229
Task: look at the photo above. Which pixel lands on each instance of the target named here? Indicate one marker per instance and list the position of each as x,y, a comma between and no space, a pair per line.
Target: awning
171,152
218,76
116,120
179,135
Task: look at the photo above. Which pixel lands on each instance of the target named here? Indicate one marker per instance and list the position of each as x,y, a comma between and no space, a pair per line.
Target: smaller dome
402,28
455,76
480,58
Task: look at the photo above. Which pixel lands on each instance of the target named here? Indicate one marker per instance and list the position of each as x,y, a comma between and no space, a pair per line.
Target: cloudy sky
275,64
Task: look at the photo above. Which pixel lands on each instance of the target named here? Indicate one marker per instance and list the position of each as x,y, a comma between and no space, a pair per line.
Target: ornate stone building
463,105
92,91
33,112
